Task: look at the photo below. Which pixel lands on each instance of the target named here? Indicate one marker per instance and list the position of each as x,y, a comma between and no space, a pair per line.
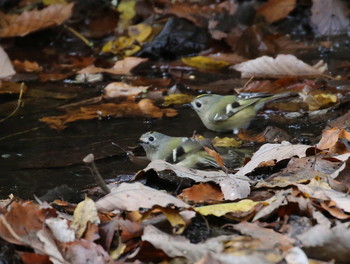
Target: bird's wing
234,107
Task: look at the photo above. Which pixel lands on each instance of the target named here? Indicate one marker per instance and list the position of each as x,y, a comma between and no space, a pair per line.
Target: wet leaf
205,63
232,187
120,67
275,10
30,21
125,109
276,152
331,136
224,208
121,89
202,193
282,66
318,101
226,142
329,17
12,88
6,68
85,212
175,99
26,66
326,243
132,196
127,12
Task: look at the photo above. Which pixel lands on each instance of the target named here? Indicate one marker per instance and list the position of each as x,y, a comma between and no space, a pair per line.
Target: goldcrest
230,113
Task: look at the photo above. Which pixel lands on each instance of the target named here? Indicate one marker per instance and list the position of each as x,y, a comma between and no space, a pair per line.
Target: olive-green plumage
183,151
229,113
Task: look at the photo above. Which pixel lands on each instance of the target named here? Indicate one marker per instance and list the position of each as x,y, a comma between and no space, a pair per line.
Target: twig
90,162
19,101
79,36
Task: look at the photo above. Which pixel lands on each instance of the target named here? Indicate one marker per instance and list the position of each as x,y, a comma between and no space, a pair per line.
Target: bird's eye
198,104
235,104
151,138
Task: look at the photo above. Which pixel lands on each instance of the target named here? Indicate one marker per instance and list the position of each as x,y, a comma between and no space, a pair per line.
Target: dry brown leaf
121,89
231,186
120,67
277,152
282,66
329,17
30,21
275,10
144,108
6,68
27,66
219,160
330,138
202,193
132,196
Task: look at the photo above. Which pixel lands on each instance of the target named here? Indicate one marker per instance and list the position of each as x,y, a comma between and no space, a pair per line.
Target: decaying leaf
330,138
85,212
125,109
120,67
276,152
275,10
6,68
175,99
329,17
132,196
121,89
282,66
27,66
202,193
224,208
326,243
205,63
30,21
232,187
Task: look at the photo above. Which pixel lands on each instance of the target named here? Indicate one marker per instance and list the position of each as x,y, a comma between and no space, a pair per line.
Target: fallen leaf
324,243
85,212
120,67
179,246
176,99
127,12
275,10
205,63
121,89
296,255
125,109
329,17
232,187
50,247
282,66
202,193
224,208
6,68
218,158
277,152
133,196
27,66
269,237
12,87
30,21
60,230
226,142
330,138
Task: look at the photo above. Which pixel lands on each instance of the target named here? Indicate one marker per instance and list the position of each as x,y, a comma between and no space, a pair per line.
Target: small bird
183,151
225,113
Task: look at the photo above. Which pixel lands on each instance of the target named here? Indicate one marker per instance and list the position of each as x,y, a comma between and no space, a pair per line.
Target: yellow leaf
140,32
127,11
53,2
205,63
85,212
226,142
222,209
177,99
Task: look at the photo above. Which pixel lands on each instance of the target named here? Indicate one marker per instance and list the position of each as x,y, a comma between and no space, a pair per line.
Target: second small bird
183,151
230,113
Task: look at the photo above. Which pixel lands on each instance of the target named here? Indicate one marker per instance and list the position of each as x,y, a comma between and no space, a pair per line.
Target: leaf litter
288,203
